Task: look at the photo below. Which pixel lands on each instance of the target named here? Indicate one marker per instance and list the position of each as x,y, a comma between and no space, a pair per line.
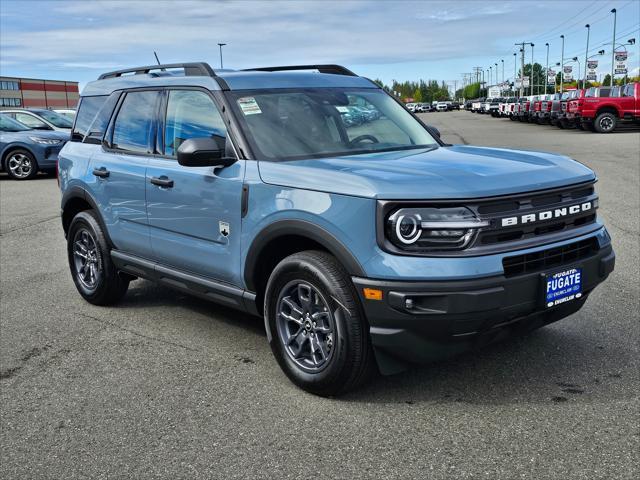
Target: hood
52,134
442,173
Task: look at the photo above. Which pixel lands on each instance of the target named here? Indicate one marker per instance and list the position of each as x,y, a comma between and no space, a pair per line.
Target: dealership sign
592,65
621,63
551,76
568,75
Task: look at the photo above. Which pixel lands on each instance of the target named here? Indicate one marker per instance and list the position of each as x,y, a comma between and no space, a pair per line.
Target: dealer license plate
563,286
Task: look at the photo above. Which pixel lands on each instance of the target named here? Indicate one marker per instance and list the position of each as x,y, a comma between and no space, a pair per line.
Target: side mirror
204,152
434,131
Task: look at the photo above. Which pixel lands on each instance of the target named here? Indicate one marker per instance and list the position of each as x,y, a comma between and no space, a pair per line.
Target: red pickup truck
603,114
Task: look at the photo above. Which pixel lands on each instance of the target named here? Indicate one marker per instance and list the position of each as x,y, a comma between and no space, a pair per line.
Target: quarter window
133,129
93,117
191,114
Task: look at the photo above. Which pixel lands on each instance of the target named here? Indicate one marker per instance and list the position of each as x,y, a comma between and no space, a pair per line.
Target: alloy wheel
85,258
606,123
306,326
20,165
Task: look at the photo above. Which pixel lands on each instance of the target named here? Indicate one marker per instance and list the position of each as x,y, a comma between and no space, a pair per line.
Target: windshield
323,122
8,124
56,119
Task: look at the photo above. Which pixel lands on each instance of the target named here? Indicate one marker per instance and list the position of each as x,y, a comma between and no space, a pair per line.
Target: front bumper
48,157
449,317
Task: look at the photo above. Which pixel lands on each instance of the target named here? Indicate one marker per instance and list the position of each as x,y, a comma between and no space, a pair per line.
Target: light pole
515,58
221,45
613,51
586,54
555,85
502,60
532,70
546,80
490,75
562,65
575,59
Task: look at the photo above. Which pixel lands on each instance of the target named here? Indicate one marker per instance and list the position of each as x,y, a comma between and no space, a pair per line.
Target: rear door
119,170
194,212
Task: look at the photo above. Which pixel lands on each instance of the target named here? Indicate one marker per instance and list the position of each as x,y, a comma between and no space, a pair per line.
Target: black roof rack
196,69
334,69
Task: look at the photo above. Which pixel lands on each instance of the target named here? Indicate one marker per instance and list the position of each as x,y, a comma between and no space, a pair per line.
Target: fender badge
224,228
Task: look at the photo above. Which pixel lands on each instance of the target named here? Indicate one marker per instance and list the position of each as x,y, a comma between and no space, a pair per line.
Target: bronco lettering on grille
547,214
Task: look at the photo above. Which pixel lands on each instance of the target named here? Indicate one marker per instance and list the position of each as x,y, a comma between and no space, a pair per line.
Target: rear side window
133,129
93,117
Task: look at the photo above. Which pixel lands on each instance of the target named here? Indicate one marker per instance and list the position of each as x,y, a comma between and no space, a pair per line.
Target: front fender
344,225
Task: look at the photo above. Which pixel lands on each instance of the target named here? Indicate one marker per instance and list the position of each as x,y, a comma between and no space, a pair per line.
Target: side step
187,282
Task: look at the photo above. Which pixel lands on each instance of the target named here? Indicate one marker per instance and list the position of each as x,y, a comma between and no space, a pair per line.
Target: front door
194,212
118,172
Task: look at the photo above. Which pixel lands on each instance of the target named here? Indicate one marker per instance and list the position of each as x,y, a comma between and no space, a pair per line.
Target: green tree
607,80
417,95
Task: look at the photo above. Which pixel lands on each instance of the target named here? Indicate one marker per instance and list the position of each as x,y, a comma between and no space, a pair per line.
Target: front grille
521,205
550,258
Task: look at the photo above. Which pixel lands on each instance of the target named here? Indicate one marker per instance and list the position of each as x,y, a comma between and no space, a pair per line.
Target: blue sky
77,40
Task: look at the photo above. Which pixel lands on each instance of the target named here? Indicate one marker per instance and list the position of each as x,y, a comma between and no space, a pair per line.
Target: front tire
21,165
317,333
606,122
92,269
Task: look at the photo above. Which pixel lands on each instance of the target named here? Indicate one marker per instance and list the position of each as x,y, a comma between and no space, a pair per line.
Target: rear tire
317,332
21,165
92,269
606,122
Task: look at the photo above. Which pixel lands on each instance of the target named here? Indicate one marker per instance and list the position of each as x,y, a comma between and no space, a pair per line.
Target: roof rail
196,69
334,69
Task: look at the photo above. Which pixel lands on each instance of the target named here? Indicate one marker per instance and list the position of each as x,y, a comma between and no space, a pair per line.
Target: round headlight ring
408,229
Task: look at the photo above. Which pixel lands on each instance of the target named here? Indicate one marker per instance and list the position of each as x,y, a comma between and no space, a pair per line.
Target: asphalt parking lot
168,386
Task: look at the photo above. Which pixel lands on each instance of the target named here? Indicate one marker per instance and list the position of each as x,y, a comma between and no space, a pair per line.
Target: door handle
101,172
162,181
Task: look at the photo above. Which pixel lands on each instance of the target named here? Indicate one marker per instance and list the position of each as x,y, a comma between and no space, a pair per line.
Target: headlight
431,229
46,141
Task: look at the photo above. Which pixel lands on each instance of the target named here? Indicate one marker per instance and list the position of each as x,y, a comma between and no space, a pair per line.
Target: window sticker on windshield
342,109
249,106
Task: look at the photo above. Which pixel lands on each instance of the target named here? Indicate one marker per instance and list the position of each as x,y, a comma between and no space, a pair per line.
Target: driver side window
191,114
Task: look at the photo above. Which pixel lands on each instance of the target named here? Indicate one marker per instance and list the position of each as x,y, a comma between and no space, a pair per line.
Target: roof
267,78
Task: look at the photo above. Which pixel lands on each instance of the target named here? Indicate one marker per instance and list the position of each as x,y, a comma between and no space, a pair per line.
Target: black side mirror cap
204,152
434,131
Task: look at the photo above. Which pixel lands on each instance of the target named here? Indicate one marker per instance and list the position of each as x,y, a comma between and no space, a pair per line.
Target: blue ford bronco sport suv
363,244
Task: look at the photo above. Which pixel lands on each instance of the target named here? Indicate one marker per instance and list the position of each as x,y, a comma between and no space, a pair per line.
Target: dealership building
37,93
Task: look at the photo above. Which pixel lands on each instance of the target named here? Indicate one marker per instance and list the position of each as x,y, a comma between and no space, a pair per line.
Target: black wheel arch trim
78,192
301,228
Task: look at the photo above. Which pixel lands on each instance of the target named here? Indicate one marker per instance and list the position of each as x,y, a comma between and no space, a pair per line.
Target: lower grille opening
545,259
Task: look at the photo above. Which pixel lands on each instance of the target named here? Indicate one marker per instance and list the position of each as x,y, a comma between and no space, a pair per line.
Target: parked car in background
477,105
40,119
455,106
602,112
564,120
494,105
442,107
411,107
540,107
24,151
66,112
